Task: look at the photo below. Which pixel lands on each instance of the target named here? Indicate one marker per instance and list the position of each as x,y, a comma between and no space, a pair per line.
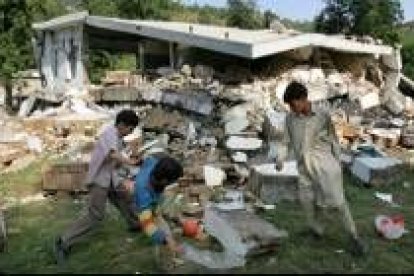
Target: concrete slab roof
249,44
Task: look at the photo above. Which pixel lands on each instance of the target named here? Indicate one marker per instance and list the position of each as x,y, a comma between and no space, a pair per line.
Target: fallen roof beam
62,21
317,40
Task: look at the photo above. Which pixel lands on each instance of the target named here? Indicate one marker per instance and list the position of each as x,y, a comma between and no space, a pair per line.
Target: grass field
111,249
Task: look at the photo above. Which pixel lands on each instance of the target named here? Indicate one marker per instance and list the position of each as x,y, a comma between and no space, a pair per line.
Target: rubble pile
221,124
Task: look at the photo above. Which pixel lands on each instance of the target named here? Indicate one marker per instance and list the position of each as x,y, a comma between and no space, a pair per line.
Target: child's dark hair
295,91
127,117
166,172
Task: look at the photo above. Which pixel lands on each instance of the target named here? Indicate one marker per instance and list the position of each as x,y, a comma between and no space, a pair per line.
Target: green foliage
209,15
408,60
147,9
244,14
101,7
268,17
377,18
335,17
16,33
303,26
97,63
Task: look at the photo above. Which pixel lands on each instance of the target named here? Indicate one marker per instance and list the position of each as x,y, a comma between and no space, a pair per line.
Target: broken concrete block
27,106
395,104
316,75
393,61
273,186
407,136
186,70
301,74
369,100
34,144
199,103
273,125
165,72
203,72
386,137
213,259
242,232
376,171
241,143
238,111
213,176
236,126
241,170
239,157
232,200
152,95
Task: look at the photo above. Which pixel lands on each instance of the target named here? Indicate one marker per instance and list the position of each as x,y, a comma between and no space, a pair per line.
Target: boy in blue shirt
155,174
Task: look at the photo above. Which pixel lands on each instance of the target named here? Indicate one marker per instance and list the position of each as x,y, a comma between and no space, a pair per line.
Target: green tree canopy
16,52
147,9
408,60
377,18
244,14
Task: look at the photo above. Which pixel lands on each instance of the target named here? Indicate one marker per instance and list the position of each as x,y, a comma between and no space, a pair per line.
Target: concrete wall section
61,60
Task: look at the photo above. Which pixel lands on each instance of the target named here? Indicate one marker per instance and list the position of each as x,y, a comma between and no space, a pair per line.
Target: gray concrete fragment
27,106
203,72
242,232
236,126
273,186
376,171
241,143
199,103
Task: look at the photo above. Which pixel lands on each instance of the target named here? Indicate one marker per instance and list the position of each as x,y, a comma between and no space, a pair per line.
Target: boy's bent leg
122,200
95,213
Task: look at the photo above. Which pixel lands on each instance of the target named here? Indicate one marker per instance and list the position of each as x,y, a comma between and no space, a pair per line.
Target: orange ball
190,228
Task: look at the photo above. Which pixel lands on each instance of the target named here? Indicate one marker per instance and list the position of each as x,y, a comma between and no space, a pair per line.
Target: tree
16,51
408,60
268,17
377,18
147,9
244,14
335,18
101,7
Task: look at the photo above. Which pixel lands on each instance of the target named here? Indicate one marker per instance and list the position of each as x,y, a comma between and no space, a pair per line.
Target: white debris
233,200
213,176
384,197
27,106
369,100
241,143
34,144
239,157
236,126
290,168
239,111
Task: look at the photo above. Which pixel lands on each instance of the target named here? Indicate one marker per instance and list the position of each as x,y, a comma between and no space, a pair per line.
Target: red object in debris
398,219
190,228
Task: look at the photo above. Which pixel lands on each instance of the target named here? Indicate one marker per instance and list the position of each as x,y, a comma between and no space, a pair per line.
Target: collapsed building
213,97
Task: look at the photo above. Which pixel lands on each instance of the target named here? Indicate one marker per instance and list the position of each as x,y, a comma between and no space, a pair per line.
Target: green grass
113,250
407,37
